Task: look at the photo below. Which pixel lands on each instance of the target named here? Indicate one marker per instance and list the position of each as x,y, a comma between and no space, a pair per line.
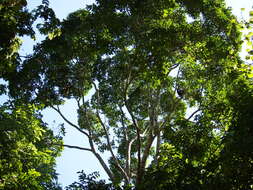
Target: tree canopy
28,148
158,84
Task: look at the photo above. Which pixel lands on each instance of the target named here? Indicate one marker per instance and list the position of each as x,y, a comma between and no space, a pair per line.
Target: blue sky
72,160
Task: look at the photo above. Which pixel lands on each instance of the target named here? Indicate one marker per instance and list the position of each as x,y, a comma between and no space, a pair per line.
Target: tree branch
128,82
129,144
146,150
158,145
100,159
123,123
128,156
108,139
150,137
138,139
193,114
75,147
70,123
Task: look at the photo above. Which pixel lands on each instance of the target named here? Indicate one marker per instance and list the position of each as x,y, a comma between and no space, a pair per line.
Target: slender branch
109,145
100,159
141,169
169,116
75,147
70,123
139,172
132,117
174,66
108,139
135,123
93,150
193,114
150,137
103,164
123,123
106,168
128,81
158,145
128,161
129,143
146,150
78,103
128,149
83,101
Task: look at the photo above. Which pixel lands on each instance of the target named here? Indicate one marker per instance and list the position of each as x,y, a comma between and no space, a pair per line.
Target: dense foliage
90,182
158,84
15,21
197,157
28,149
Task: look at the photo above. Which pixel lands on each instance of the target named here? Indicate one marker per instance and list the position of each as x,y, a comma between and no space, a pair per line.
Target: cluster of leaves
89,182
205,156
248,26
201,157
15,20
28,149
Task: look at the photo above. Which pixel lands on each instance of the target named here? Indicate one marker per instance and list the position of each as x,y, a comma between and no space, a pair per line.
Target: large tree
197,157
134,68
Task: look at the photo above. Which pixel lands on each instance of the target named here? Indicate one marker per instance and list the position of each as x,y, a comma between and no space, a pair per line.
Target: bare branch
135,123
147,149
153,129
129,143
128,156
123,123
78,103
132,117
108,139
138,138
70,123
100,159
89,135
142,164
75,147
193,114
158,145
